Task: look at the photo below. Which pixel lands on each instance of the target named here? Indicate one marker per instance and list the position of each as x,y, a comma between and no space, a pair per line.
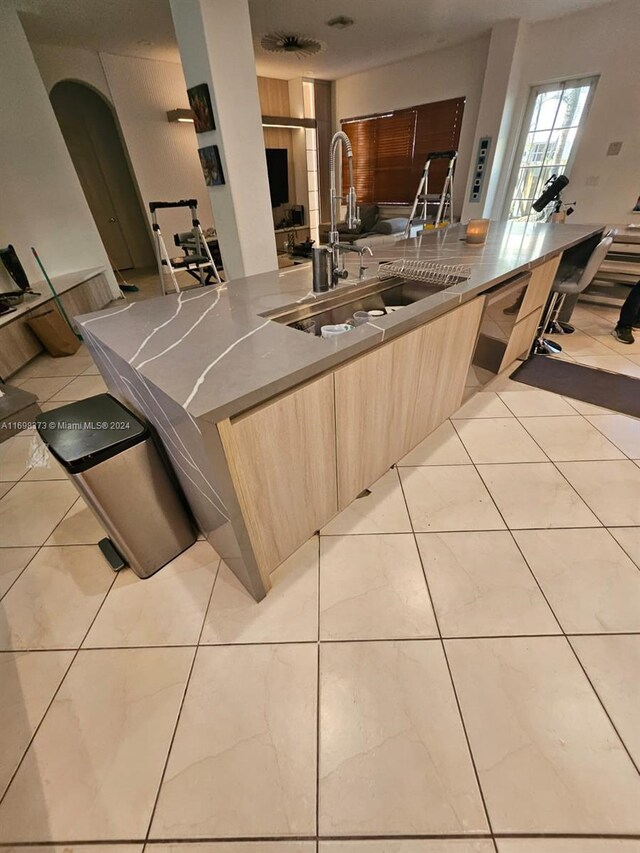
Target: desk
79,292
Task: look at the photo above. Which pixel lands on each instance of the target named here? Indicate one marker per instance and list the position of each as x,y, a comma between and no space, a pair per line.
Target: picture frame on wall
211,166
200,103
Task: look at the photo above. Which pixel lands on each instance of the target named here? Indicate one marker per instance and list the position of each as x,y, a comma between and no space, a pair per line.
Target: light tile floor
452,666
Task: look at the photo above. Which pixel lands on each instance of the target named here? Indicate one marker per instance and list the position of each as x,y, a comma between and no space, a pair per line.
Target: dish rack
431,272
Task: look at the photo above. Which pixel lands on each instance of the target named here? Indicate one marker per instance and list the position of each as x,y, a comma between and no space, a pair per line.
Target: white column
495,119
214,37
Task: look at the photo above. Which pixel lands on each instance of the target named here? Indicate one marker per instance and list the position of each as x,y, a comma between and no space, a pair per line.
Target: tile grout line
483,529
446,659
608,440
603,706
566,638
336,641
456,836
624,746
56,691
624,550
24,568
571,486
568,641
319,612
196,648
473,461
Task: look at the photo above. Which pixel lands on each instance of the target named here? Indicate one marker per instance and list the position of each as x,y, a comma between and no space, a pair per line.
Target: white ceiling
384,30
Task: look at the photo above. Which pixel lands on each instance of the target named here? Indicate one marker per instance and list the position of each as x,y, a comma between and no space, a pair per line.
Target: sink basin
339,306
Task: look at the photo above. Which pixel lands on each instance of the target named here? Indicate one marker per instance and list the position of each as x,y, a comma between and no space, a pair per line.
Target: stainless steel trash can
110,457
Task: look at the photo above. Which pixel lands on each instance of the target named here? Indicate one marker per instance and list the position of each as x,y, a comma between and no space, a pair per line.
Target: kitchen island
272,431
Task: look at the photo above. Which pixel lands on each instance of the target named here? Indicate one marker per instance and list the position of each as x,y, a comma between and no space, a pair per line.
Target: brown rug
610,390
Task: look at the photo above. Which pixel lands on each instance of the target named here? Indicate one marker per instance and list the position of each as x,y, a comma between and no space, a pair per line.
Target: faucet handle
352,212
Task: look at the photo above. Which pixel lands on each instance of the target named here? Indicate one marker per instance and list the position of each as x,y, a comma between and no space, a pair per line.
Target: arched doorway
93,139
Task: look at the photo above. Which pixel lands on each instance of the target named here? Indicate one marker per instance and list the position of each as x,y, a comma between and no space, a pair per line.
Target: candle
477,230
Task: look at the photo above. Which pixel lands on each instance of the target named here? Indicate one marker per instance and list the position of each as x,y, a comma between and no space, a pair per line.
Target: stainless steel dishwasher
498,320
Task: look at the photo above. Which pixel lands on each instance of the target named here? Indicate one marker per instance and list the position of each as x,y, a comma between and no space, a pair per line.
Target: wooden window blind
390,150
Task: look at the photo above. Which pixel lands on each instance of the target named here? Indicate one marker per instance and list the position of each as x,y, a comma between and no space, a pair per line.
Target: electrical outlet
613,149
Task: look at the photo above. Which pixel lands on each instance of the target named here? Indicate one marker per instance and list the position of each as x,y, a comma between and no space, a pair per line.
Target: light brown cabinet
389,400
282,461
539,287
520,339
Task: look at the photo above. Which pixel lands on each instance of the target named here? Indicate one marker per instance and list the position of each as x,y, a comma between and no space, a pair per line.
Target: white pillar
495,119
214,37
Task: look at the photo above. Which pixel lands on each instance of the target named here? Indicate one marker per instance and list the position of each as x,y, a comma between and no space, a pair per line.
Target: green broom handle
55,295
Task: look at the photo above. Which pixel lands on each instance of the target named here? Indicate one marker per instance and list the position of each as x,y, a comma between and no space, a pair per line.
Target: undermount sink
339,306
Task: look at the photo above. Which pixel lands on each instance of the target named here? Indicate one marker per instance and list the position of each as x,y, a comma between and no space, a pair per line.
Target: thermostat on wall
482,160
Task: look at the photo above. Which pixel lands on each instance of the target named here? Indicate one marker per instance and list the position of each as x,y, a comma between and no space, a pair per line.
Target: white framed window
548,140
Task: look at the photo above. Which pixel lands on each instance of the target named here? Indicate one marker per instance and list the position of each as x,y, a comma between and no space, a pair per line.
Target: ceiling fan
301,46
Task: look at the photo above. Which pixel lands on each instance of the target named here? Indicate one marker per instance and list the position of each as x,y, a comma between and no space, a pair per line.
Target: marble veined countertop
213,352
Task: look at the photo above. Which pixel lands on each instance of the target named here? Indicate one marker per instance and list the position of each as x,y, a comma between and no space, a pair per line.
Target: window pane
546,115
527,182
560,144
519,209
535,148
572,106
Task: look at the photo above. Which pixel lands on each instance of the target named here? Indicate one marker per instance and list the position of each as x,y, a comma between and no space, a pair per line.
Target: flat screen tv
278,169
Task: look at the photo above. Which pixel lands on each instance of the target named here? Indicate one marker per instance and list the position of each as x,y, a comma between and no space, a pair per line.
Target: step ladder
199,264
422,199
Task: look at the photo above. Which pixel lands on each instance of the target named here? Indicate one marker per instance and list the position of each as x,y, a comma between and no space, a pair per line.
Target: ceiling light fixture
341,22
181,115
291,43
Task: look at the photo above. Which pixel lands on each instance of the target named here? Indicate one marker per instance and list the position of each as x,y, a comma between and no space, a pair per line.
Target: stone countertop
213,352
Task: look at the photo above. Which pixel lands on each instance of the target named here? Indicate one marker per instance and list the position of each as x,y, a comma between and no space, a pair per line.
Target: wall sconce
181,115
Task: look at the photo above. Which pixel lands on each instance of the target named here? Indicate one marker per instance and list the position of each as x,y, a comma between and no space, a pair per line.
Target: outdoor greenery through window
548,141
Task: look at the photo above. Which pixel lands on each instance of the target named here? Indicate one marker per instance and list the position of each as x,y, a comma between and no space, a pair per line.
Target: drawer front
542,278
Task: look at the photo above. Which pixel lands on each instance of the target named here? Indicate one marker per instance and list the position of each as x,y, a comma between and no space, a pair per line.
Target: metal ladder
200,265
422,197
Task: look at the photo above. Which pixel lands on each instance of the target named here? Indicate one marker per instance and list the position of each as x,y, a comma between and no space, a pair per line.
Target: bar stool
568,289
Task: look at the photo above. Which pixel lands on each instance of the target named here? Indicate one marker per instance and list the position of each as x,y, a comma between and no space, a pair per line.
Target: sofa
376,227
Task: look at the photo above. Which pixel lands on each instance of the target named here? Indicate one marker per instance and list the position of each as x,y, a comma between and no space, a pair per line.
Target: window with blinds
390,150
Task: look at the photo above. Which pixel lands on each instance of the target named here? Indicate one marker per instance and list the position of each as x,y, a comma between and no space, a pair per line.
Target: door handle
112,219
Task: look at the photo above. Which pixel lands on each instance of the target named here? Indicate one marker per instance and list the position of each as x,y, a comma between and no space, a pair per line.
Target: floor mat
610,390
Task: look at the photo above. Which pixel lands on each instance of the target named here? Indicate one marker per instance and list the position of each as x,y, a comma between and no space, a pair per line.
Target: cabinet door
539,287
521,339
375,398
389,400
282,461
448,345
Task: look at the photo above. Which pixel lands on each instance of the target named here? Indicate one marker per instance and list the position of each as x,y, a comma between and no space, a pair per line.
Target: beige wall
430,77
41,200
600,41
163,155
